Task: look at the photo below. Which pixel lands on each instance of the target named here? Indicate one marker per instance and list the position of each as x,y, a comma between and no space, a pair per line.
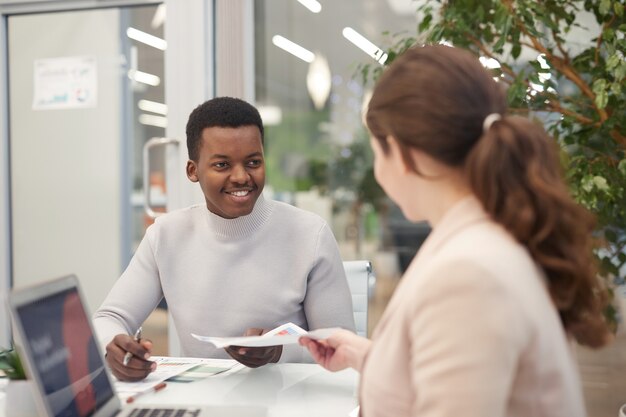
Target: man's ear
192,171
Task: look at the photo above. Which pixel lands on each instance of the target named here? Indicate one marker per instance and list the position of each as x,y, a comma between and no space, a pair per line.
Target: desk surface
294,390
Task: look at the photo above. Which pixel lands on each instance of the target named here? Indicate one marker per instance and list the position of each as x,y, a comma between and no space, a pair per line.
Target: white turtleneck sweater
222,276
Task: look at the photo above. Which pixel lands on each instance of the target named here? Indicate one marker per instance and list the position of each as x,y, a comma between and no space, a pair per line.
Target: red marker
156,388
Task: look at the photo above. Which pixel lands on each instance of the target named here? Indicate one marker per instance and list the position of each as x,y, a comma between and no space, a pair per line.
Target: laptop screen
63,354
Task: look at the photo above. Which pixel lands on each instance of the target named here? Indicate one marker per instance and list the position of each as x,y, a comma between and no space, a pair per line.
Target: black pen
129,355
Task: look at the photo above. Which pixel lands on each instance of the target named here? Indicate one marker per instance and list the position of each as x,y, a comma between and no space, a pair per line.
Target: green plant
575,87
11,364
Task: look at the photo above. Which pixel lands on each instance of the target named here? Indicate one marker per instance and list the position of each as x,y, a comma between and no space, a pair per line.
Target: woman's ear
396,151
428,166
192,171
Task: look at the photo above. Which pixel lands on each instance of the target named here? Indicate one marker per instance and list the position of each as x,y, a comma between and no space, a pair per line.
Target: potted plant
574,84
19,401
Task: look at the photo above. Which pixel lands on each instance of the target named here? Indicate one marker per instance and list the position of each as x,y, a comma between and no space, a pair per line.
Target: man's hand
253,357
138,367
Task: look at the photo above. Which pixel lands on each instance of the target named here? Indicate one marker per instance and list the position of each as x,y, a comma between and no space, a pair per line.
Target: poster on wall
65,83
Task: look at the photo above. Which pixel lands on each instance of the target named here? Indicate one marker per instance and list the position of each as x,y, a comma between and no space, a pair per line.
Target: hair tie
492,117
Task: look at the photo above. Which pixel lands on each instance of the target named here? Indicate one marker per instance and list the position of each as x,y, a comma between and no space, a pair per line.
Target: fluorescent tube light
365,44
146,38
159,17
144,77
152,120
312,5
293,48
152,106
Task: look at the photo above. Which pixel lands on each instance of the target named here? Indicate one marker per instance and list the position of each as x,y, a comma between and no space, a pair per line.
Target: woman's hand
138,366
343,349
253,357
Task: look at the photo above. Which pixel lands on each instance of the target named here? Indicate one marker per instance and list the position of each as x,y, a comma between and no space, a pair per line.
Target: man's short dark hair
219,112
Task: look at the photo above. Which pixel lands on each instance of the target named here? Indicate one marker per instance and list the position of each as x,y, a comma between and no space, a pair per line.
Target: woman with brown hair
480,323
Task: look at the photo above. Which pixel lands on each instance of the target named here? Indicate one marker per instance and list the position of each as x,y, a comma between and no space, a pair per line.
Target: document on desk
285,334
207,367
169,368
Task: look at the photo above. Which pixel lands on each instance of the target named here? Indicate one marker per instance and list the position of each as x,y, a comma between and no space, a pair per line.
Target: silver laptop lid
56,341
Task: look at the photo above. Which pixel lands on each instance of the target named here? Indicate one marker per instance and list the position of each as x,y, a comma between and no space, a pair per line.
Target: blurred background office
87,86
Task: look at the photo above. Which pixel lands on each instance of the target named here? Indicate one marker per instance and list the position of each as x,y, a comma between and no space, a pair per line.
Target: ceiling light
318,81
293,48
312,5
152,106
144,77
159,17
146,38
365,44
152,120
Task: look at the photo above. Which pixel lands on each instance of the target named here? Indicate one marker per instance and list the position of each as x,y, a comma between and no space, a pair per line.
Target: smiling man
238,264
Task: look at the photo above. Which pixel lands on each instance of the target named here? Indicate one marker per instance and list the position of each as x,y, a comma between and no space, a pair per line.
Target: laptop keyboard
164,412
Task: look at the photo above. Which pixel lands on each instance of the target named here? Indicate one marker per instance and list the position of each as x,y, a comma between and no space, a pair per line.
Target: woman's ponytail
514,170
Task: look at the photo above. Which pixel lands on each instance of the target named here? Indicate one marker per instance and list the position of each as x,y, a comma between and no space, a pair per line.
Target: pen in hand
128,355
156,388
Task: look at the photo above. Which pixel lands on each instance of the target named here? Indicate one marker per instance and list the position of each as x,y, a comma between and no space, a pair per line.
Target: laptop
65,363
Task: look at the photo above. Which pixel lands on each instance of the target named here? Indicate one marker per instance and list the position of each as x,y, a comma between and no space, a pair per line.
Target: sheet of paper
285,334
166,368
171,368
207,368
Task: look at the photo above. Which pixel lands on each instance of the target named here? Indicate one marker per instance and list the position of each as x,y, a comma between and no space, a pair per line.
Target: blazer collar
464,213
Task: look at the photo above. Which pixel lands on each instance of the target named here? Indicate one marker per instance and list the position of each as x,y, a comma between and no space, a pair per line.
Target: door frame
189,78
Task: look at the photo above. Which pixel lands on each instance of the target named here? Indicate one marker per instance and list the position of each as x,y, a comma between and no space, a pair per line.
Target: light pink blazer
470,332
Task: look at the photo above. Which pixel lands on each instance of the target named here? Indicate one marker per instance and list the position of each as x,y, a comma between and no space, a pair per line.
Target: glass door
85,94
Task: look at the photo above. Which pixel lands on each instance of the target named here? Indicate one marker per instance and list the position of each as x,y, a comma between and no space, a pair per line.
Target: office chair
361,280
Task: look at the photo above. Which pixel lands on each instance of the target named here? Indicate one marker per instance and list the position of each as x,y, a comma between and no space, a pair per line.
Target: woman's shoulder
485,253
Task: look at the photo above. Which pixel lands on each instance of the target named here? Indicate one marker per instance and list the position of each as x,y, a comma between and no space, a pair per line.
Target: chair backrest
361,280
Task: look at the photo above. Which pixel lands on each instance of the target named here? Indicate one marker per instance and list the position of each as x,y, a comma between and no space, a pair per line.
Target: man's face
230,169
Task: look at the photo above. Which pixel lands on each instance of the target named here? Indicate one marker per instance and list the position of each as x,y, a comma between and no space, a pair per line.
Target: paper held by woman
284,334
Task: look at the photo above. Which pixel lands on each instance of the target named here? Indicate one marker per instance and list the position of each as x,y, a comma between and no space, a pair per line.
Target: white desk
294,390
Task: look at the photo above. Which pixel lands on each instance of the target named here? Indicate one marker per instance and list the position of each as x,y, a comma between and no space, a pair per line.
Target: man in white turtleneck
239,264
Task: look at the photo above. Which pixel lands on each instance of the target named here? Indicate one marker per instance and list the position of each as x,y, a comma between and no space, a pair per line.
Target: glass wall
75,109
311,94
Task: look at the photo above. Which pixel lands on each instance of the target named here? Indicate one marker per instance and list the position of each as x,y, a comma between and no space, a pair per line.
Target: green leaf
10,364
587,184
605,6
425,23
600,183
620,72
619,9
622,166
602,99
516,50
613,61
599,85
